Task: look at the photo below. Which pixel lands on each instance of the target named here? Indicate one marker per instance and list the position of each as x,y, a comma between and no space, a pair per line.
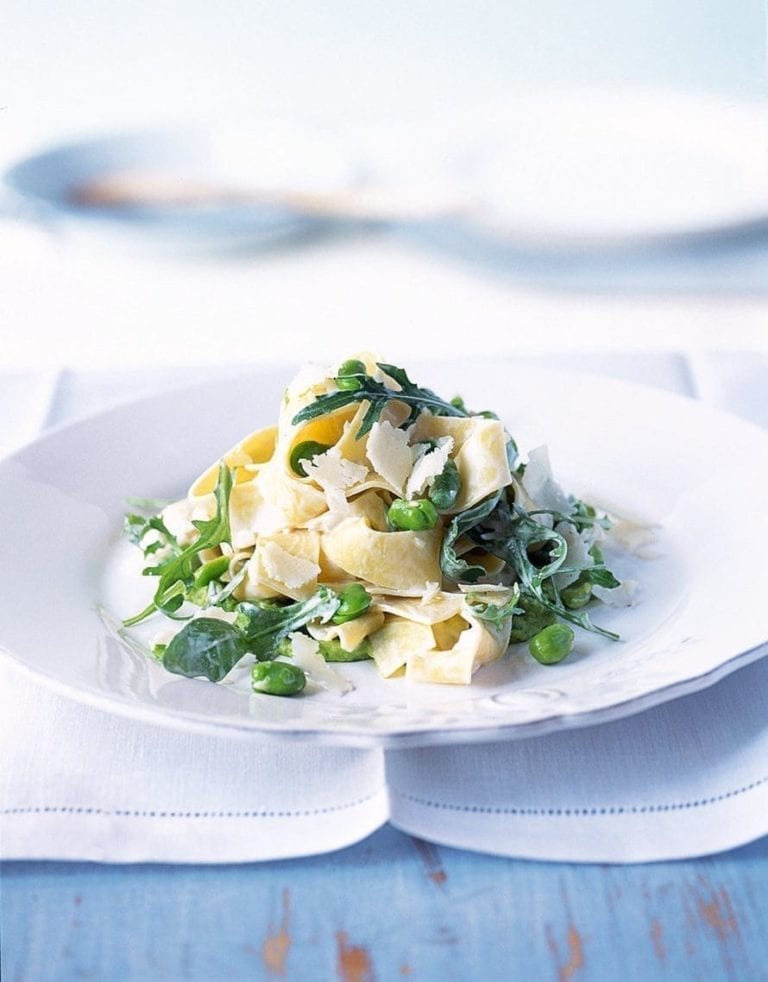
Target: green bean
552,644
354,600
277,678
345,377
212,570
534,618
284,648
412,516
577,594
446,487
305,451
331,650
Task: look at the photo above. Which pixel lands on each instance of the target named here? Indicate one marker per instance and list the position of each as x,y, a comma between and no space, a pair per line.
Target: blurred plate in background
568,168
190,186
554,170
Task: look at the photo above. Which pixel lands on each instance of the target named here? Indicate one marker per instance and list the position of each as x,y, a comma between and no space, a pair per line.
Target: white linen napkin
78,783
684,779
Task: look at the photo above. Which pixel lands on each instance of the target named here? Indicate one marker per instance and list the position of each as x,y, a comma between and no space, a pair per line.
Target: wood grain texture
389,908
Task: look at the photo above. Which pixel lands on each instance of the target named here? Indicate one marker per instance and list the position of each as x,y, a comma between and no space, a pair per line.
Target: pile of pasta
293,533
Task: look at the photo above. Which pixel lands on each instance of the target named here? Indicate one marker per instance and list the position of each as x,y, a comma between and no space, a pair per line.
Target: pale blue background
65,65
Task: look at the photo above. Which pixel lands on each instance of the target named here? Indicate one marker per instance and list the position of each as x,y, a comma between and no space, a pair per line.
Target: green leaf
331,650
514,536
495,613
136,528
522,534
600,576
533,577
531,618
582,619
453,567
179,569
264,627
205,647
584,515
377,394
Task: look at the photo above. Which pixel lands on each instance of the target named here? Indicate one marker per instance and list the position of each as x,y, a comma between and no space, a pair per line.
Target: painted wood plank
389,908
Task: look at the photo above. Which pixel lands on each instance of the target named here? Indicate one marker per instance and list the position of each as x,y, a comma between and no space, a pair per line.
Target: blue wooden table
391,907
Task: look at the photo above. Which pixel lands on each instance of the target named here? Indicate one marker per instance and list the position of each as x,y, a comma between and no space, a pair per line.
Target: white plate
702,613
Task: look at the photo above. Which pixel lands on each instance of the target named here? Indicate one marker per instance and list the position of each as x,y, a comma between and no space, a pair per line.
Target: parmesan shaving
284,567
620,596
540,485
306,655
428,466
390,454
179,516
332,472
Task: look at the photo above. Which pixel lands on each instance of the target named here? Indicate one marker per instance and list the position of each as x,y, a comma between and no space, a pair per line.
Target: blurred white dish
189,186
701,613
564,168
553,169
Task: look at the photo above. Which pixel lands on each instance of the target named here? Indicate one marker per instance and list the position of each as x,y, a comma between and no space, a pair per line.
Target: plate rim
397,739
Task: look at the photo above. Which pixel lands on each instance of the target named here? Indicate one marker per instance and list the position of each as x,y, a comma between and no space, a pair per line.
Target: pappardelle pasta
376,522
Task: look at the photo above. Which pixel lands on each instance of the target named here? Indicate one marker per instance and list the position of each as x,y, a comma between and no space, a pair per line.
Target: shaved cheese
623,595
640,539
390,454
306,655
540,485
337,511
255,587
428,466
431,590
285,563
309,377
459,428
349,445
332,472
351,633
246,514
179,516
288,503
578,553
284,567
